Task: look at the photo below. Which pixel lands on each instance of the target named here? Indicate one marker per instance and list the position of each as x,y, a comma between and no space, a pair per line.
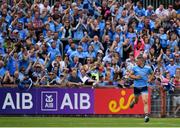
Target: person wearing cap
141,74
37,73
99,55
14,35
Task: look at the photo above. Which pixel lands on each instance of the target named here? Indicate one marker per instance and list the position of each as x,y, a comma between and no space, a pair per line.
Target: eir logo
49,101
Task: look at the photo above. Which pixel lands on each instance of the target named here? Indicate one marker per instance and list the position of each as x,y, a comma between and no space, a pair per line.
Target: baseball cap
100,51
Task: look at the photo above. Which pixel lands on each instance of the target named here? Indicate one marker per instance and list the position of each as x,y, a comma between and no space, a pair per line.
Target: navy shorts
139,90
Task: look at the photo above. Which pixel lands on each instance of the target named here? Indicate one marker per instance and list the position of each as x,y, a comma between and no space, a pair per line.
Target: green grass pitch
86,122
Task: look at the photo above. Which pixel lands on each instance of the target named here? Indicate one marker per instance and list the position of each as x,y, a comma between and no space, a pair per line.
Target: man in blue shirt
140,74
149,11
2,70
139,10
172,68
53,51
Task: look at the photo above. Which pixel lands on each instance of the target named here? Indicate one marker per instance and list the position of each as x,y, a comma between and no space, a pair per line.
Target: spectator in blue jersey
97,44
139,10
163,38
79,53
71,49
149,11
172,42
172,68
2,70
91,53
93,28
46,33
13,63
109,30
74,79
53,79
84,42
53,51
131,35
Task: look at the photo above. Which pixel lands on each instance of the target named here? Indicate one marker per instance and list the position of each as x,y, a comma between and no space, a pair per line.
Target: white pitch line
87,127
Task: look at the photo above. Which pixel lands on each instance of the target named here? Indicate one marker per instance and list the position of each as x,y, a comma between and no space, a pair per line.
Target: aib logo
49,101
117,106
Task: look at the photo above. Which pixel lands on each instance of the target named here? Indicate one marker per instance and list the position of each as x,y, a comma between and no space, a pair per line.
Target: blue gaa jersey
144,72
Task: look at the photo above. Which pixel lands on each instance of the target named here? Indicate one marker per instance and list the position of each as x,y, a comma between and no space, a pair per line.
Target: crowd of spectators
87,42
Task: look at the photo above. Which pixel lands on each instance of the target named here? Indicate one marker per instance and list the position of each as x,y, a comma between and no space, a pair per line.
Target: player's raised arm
151,76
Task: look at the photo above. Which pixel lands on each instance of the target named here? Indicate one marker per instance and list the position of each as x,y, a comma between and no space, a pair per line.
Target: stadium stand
88,43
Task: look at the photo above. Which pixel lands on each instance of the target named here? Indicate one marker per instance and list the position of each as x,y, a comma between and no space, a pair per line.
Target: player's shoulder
147,66
135,67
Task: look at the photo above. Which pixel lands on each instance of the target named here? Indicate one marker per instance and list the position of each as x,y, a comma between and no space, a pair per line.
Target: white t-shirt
42,7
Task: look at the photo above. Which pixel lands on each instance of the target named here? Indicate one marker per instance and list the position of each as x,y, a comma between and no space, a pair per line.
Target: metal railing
154,3
164,104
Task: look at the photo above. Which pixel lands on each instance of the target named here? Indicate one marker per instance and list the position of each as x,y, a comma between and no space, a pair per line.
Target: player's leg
134,101
145,102
136,98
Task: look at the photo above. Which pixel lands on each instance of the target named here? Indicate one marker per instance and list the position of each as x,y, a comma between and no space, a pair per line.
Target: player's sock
132,104
146,118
